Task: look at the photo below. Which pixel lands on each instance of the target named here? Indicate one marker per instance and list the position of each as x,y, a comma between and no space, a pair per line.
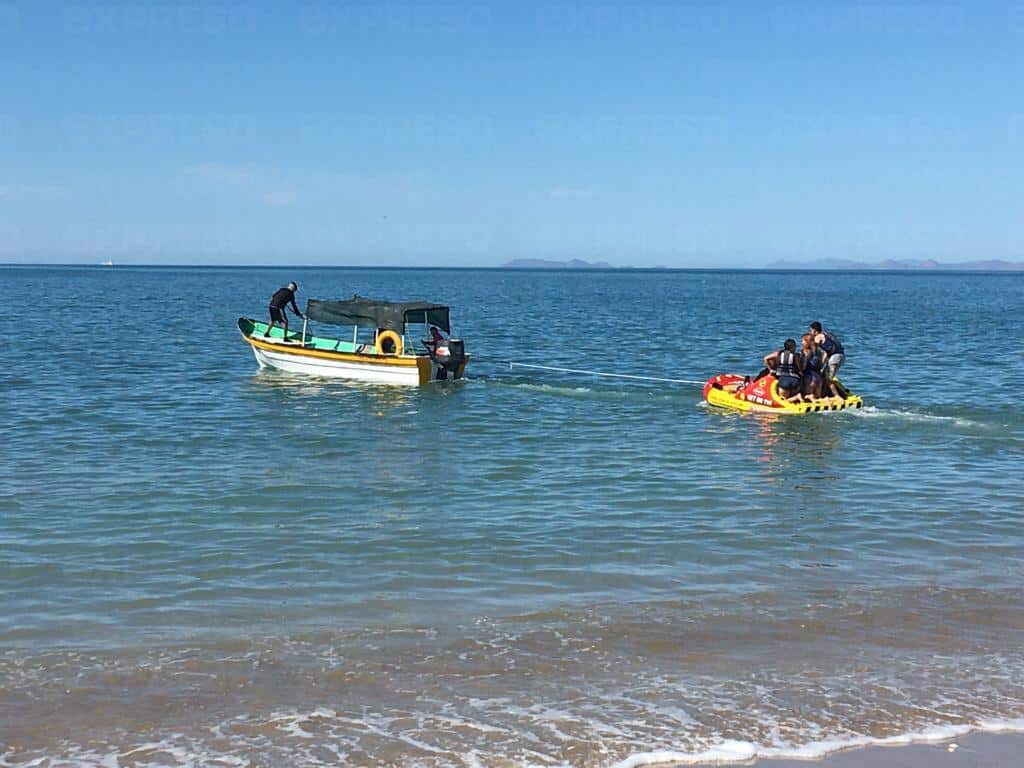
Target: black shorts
277,315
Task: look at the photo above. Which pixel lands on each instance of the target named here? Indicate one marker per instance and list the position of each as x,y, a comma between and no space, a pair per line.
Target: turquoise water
205,562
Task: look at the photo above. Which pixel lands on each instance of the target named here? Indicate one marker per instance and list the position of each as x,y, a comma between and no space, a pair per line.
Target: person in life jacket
832,350
788,366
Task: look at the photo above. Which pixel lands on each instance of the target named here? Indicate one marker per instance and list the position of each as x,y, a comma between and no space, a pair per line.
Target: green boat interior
365,346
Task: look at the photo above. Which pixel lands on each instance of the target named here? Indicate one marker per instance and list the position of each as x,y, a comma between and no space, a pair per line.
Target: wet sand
976,750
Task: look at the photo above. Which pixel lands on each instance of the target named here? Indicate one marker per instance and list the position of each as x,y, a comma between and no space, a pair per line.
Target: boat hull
293,357
729,390
337,369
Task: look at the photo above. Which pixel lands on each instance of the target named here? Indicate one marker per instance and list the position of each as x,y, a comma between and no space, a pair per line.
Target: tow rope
603,373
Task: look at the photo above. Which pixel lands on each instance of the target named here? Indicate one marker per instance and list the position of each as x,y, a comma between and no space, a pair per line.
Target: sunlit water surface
206,564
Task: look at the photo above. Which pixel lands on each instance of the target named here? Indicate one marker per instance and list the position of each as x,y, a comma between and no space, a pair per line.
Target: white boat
379,350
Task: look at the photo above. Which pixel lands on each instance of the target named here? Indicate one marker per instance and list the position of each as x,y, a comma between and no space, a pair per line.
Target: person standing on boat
278,305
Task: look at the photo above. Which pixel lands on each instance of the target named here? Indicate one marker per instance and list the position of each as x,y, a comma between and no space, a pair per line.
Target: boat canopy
371,313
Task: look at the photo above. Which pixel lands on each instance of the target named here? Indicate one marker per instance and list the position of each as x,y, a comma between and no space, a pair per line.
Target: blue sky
461,134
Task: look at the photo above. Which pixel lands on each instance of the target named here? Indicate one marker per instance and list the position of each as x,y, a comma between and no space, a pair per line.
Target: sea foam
732,751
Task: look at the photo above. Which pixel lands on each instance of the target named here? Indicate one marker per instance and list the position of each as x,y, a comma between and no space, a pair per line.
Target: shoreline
978,749
961,746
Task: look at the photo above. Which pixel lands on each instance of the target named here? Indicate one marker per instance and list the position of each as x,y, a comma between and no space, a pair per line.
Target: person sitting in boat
788,367
438,344
279,303
832,350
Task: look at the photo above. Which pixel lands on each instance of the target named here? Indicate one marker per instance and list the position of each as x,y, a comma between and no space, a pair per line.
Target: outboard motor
456,352
450,363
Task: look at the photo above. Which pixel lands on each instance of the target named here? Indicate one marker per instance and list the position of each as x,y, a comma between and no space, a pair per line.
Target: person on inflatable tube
788,366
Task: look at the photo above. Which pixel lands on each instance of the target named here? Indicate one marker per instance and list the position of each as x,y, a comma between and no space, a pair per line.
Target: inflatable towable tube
741,393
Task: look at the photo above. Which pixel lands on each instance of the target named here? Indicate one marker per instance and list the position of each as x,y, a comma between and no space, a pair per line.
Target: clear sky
670,133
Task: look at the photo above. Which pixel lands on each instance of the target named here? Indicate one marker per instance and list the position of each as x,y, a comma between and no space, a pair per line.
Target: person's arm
770,360
295,308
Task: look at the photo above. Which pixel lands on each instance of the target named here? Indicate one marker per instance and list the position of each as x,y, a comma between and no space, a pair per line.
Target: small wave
1002,726
731,751
163,752
871,411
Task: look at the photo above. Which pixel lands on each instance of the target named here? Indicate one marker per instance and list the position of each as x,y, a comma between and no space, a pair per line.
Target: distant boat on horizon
107,263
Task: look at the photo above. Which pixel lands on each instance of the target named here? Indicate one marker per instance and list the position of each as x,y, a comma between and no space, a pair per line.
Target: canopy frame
363,312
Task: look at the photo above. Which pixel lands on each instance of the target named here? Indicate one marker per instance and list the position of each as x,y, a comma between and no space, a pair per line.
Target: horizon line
1011,267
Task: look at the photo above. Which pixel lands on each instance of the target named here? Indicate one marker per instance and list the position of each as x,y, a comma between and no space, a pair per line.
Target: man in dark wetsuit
278,304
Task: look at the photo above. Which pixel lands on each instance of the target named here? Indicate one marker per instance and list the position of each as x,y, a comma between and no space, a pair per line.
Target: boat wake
549,389
683,396
873,412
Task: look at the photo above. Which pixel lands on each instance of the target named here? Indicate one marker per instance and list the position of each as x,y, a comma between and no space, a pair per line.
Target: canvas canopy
371,313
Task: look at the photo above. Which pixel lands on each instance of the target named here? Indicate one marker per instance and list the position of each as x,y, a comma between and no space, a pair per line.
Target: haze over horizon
469,135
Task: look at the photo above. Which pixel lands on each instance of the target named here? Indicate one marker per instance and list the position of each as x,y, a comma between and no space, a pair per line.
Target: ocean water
206,564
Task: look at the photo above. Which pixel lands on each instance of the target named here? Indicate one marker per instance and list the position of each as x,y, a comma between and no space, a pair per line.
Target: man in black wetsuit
278,303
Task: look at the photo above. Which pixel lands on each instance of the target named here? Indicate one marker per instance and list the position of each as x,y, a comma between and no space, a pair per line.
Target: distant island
995,265
545,264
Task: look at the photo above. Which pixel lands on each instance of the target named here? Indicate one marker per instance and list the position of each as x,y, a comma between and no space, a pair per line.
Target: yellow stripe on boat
291,349
426,370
